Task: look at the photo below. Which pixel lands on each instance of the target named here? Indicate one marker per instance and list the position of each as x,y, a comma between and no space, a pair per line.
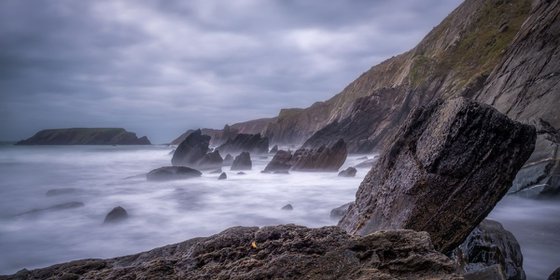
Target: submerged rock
242,162
348,172
56,207
340,211
60,191
278,252
222,176
320,159
191,150
252,143
118,214
447,168
280,162
287,207
172,173
489,244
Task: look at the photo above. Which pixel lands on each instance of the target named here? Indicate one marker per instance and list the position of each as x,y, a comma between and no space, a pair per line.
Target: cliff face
454,59
85,136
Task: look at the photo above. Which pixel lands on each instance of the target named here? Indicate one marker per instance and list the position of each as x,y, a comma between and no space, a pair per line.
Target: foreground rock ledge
447,168
279,252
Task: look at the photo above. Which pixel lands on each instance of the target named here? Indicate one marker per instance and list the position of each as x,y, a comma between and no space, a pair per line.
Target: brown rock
321,159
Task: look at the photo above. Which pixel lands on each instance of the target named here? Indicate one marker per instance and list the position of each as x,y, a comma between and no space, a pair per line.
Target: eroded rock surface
447,168
324,158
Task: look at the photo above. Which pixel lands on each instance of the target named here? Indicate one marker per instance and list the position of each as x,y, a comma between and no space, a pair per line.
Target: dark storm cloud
160,67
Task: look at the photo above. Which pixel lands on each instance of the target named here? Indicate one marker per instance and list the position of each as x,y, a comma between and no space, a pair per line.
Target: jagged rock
242,162
191,150
252,143
555,275
489,244
493,272
540,176
321,159
348,172
211,160
61,206
222,176
340,211
228,160
85,136
287,207
167,173
447,168
118,214
274,149
282,161
278,252
60,191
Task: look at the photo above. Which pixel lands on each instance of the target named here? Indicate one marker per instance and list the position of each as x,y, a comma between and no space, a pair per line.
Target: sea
53,201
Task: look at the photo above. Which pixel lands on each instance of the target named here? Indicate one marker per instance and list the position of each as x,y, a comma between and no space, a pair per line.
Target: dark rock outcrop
490,244
222,176
85,136
287,207
242,162
447,168
274,149
339,212
191,150
348,172
211,160
555,275
279,252
282,161
252,143
167,173
117,214
323,158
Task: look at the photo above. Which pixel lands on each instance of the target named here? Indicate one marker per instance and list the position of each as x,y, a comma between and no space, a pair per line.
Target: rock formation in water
85,136
447,168
242,162
325,158
191,150
251,143
167,173
210,161
348,172
280,162
117,214
278,252
490,244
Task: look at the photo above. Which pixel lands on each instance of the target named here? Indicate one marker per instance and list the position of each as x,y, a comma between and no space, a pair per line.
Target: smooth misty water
161,213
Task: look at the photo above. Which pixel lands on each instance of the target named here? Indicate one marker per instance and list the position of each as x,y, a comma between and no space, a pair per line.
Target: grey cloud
159,67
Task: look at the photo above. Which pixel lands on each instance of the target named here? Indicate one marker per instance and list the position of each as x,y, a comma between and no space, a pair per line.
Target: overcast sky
160,67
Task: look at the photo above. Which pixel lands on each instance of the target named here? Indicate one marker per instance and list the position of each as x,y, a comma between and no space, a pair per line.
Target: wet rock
340,211
555,275
320,159
241,173
447,168
191,150
118,214
251,143
348,172
61,206
228,160
287,207
286,172
211,160
167,173
60,191
278,252
280,162
274,150
489,244
493,272
222,176
242,162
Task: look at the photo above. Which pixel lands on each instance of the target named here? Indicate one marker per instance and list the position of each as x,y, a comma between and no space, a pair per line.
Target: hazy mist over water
160,213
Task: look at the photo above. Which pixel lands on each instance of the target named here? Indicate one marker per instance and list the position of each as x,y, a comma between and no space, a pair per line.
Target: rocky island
85,136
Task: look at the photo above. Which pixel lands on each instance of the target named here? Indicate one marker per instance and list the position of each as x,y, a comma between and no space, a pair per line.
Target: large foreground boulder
252,143
490,244
191,150
279,252
167,173
449,165
324,158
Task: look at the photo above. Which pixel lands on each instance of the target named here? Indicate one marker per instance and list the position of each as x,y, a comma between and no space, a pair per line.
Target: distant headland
85,136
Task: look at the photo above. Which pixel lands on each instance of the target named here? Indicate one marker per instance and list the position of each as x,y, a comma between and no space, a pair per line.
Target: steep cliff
85,136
